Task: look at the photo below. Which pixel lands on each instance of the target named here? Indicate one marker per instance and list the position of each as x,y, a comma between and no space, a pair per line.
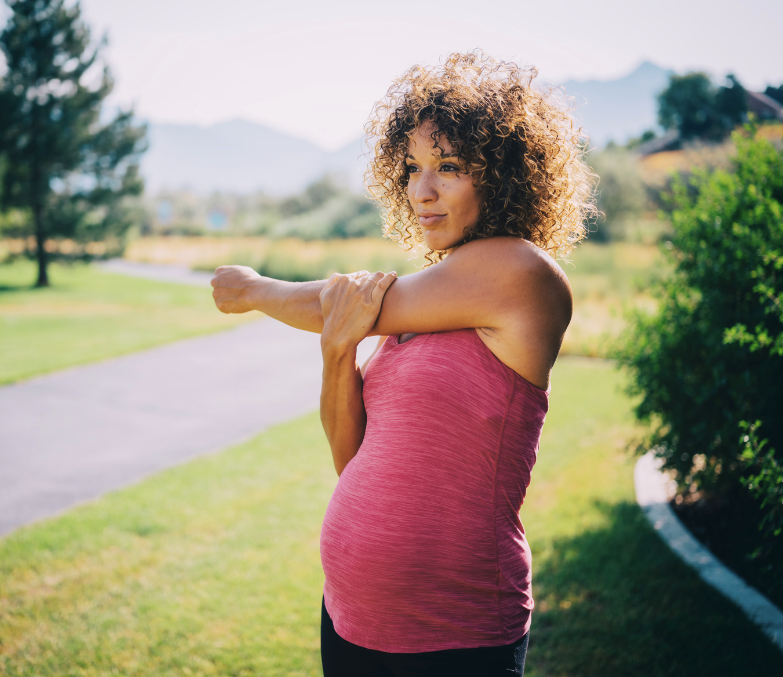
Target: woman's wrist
336,348
257,294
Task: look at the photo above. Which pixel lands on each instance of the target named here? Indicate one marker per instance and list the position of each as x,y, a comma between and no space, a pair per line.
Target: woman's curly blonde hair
520,144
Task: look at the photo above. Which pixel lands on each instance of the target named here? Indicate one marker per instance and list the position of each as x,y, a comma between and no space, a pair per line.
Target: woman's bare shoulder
517,264
532,302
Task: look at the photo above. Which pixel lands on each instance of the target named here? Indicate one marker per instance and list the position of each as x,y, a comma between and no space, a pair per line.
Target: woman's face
440,191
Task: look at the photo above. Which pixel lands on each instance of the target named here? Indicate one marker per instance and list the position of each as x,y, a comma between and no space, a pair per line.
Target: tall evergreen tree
64,165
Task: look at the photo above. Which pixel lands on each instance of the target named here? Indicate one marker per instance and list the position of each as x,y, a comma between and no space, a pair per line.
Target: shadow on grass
18,287
616,602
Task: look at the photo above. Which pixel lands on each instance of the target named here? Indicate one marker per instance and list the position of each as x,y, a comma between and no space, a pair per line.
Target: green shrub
765,479
711,357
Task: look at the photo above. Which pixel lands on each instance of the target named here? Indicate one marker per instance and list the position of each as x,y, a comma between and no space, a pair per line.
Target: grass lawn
88,315
607,279
212,568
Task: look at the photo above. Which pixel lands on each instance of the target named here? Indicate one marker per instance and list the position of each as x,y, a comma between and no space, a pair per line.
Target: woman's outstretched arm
350,308
240,289
508,288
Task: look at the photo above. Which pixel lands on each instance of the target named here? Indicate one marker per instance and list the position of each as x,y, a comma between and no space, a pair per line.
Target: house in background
764,107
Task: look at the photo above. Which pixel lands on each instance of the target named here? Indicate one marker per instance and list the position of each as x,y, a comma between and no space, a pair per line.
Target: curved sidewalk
653,494
73,435
159,272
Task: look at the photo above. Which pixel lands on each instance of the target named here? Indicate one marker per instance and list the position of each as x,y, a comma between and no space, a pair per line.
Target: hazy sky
314,67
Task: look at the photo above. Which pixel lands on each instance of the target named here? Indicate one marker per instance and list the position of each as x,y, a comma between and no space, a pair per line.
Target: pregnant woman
428,571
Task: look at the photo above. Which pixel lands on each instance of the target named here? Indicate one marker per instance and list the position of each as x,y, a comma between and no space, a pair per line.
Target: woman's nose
425,189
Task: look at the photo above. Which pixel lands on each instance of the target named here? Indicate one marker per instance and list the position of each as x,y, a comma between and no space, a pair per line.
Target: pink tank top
421,544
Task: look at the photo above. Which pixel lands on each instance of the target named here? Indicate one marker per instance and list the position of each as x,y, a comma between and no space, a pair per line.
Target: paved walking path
73,435
159,272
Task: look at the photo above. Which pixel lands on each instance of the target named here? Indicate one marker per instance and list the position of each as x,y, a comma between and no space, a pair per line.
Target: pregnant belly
416,540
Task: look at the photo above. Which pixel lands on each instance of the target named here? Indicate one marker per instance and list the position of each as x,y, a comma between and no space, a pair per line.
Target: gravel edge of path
653,492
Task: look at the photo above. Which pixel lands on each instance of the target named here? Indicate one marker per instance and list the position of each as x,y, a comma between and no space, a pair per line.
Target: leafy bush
711,357
765,481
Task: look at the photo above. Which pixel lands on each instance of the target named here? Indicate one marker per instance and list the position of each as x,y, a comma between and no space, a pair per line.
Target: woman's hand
234,288
350,306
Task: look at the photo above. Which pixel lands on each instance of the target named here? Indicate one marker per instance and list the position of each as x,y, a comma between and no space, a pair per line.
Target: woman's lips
431,219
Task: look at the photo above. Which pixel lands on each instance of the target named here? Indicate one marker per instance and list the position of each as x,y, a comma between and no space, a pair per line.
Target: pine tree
66,167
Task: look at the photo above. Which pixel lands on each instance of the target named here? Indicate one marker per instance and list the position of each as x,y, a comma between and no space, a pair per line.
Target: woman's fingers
351,303
382,283
386,280
333,279
361,284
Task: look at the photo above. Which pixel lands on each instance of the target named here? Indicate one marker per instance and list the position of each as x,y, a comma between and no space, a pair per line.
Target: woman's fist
234,287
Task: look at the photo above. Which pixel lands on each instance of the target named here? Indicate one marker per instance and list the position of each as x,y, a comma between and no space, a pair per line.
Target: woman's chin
437,242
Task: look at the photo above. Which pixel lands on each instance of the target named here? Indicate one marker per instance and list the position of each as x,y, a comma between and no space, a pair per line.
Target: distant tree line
69,171
775,93
696,108
325,209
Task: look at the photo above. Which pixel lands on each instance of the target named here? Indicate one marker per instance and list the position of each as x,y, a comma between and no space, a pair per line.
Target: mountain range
238,156
618,110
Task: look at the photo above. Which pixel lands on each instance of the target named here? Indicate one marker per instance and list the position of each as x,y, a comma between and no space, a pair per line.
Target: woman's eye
412,168
449,167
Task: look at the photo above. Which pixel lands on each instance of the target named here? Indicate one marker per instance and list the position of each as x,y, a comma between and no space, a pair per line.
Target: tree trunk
40,247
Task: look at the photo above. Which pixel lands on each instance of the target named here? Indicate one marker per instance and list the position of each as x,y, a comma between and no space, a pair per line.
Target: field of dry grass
292,258
657,167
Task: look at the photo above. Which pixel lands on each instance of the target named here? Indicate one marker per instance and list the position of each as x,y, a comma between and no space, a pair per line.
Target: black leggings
340,658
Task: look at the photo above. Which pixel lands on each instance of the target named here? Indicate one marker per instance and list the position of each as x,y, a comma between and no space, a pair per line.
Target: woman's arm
511,291
492,283
240,289
473,287
342,406
508,288
350,308
343,416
